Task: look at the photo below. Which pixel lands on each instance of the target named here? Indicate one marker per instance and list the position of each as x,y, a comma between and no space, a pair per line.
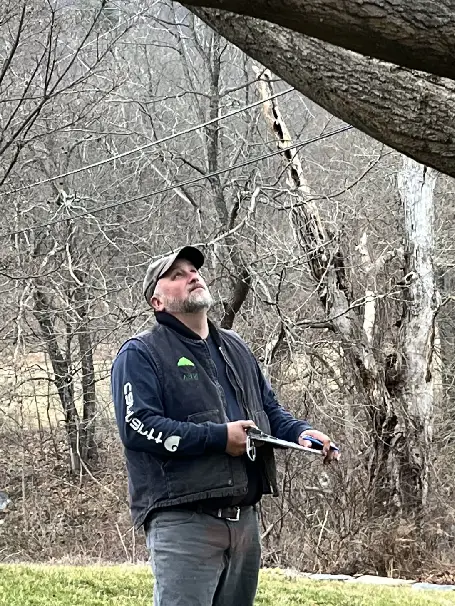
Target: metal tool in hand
255,435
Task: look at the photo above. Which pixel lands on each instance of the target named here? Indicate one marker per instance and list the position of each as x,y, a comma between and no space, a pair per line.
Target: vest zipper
236,385
218,385
238,390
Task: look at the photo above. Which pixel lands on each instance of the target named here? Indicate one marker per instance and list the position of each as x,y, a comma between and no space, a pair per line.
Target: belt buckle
237,516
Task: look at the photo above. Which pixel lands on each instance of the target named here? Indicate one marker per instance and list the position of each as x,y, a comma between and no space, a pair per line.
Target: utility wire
177,185
146,146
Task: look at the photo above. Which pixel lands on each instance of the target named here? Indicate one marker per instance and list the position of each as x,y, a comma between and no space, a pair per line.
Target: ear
157,303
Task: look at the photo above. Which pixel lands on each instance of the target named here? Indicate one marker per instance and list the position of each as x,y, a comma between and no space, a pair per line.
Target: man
184,394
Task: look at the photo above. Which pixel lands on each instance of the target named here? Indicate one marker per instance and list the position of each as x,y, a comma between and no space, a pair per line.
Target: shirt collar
167,319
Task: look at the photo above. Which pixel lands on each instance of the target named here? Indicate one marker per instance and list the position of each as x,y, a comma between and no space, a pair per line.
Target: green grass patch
38,585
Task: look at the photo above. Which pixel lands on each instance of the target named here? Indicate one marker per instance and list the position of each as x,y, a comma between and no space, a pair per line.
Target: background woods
128,129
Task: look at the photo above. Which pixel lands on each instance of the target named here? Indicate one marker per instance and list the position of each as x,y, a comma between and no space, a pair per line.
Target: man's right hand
236,437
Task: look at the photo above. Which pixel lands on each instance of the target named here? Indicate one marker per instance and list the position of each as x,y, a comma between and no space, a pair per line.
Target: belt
232,514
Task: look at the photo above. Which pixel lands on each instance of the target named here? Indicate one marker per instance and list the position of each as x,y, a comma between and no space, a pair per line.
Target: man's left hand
328,454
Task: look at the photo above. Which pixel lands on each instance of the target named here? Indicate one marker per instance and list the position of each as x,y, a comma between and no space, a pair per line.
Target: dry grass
29,400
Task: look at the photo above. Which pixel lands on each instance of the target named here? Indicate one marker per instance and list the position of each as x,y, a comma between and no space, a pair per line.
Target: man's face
181,290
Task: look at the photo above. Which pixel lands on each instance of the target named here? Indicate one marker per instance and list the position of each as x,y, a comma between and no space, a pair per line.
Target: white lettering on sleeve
138,426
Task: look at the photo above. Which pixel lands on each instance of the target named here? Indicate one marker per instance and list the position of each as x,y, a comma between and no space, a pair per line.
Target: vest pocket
194,475
204,416
202,474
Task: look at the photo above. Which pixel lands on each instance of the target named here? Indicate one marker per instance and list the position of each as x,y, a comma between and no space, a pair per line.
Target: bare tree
51,56
415,361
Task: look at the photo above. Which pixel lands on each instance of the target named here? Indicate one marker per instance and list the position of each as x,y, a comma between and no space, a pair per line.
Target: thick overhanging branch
411,112
414,33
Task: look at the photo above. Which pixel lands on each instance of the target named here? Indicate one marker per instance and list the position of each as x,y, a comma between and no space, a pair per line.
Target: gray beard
190,305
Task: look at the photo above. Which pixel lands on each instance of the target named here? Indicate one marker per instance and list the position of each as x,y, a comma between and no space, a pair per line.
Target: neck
197,322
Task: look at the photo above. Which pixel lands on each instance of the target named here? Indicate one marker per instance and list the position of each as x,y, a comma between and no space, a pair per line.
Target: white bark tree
416,185
399,414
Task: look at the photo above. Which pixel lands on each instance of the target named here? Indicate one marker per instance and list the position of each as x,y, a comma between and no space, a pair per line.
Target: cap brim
190,253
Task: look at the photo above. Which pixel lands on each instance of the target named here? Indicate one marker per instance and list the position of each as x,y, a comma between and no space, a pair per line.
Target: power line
147,145
177,185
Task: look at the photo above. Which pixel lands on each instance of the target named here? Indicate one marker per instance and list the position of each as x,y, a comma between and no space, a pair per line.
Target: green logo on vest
185,362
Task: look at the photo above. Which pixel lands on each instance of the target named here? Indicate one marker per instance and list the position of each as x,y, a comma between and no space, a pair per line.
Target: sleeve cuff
217,437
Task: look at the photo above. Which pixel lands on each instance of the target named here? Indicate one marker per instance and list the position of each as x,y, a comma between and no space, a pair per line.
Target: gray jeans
200,560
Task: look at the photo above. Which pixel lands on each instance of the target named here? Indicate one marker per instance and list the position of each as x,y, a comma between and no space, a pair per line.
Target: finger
248,424
306,443
328,457
333,455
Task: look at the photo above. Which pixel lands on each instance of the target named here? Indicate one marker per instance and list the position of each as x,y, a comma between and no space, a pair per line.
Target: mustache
198,285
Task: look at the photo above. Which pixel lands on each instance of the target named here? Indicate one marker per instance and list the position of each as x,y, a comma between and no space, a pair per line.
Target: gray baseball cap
158,268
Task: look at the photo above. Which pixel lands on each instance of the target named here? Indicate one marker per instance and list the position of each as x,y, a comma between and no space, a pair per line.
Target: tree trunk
416,184
78,298
239,293
211,56
87,428
63,377
417,34
241,278
411,112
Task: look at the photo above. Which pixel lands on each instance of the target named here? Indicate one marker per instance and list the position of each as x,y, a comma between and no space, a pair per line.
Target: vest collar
167,319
